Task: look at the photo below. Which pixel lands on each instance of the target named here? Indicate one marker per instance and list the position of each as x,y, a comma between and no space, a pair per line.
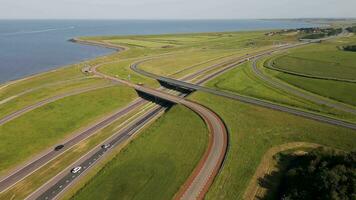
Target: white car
76,169
105,146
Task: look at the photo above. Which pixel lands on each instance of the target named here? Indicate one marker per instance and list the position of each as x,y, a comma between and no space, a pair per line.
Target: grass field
140,43
324,60
161,158
243,81
28,185
47,125
253,130
122,69
340,91
31,96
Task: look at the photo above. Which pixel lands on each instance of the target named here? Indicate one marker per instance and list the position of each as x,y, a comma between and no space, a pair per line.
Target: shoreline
74,40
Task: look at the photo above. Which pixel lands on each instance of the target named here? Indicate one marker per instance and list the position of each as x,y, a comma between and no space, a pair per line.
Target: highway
306,95
242,98
51,154
203,175
215,158
60,182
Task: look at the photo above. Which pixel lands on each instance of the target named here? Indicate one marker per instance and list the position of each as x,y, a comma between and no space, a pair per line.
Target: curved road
306,95
246,99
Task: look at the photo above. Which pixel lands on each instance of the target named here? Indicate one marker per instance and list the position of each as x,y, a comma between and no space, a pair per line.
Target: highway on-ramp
245,99
300,93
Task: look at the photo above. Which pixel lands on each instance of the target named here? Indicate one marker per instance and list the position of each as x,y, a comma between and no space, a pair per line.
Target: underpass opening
155,99
178,88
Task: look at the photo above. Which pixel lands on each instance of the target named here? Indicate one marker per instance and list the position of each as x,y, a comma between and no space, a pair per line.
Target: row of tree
351,29
350,48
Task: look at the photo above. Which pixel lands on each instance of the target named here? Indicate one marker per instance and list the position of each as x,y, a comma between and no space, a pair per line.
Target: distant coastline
31,51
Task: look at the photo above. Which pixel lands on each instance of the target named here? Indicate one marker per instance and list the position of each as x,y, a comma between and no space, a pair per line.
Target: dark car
59,147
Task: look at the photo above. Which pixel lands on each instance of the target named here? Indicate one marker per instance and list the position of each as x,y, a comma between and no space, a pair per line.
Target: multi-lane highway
201,178
242,98
60,182
34,165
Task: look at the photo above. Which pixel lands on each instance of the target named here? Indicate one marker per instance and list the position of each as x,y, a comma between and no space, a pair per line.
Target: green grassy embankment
325,60
34,95
243,81
46,126
253,130
162,156
28,185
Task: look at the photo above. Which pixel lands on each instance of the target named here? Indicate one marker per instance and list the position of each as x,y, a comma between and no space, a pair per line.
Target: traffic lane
33,166
299,93
208,167
119,138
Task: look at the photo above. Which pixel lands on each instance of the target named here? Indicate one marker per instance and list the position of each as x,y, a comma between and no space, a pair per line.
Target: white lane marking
90,152
45,154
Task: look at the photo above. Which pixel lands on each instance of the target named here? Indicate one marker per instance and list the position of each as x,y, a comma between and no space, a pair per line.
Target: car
105,146
140,84
76,169
59,147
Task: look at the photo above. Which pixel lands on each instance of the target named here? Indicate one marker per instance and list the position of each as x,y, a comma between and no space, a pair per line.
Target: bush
351,29
350,48
320,174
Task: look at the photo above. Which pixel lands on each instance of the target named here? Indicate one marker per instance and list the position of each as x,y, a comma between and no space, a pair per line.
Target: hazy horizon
176,9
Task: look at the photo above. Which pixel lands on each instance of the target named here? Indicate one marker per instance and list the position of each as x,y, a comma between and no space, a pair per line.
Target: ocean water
32,46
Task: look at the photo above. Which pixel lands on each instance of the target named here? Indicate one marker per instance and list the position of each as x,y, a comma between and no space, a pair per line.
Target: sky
176,9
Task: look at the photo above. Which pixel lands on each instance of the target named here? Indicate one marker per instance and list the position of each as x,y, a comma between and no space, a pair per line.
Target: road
51,190
51,154
297,92
208,167
58,184
242,98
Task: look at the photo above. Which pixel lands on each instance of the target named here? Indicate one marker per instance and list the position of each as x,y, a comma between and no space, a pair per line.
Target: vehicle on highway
59,147
76,169
105,146
140,84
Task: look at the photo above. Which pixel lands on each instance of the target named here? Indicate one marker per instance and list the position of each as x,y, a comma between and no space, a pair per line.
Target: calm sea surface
31,46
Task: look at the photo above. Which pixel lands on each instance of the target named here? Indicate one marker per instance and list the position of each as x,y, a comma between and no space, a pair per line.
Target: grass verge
162,156
46,126
253,130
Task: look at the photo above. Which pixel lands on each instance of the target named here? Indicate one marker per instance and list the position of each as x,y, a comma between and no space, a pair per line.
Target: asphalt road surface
35,164
245,99
59,183
299,93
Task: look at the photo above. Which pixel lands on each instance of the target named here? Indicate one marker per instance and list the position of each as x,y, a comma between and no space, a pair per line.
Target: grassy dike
253,130
46,126
156,163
